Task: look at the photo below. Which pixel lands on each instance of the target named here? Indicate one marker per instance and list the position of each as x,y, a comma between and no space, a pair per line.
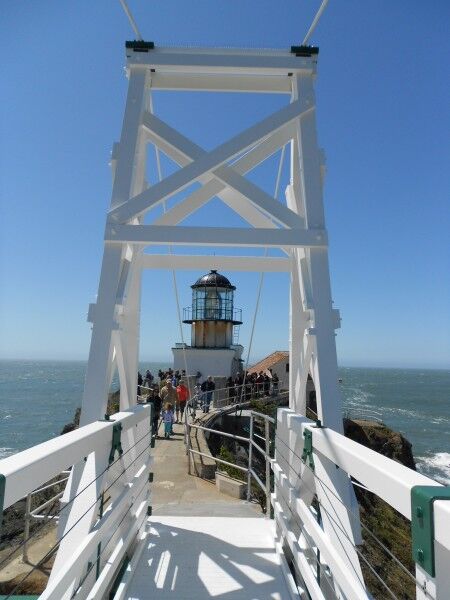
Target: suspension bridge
110,542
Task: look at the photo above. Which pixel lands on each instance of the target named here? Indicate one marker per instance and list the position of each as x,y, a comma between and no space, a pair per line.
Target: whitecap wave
4,452
436,466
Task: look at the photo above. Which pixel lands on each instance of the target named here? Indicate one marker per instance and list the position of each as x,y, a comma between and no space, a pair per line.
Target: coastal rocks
381,523
378,437
74,424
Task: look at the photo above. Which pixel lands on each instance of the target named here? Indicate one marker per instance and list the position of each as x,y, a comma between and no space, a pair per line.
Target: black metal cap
213,279
305,50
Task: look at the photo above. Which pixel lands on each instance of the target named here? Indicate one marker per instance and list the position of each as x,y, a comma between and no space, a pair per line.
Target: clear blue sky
383,119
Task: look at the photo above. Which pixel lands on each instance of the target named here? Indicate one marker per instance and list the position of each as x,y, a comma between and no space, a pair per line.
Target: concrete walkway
174,492
202,544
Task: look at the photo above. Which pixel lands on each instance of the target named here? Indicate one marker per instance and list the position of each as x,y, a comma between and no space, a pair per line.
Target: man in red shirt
183,396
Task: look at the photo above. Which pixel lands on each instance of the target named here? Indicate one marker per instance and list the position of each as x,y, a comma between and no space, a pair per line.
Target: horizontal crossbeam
205,163
206,61
220,263
275,84
215,236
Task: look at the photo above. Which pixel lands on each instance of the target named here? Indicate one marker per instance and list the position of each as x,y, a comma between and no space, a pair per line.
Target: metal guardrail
205,313
265,486
36,513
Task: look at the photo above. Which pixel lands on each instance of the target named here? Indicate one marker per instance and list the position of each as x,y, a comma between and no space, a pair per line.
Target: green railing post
307,454
116,444
422,523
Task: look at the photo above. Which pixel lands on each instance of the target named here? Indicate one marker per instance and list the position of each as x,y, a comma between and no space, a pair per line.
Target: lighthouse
213,319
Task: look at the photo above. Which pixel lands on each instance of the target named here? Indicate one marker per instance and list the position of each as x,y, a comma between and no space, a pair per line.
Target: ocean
37,398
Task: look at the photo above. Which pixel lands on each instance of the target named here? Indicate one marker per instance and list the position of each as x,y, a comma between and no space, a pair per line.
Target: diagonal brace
205,163
183,150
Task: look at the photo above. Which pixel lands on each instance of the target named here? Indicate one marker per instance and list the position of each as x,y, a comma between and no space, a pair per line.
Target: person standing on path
168,420
208,387
169,394
183,396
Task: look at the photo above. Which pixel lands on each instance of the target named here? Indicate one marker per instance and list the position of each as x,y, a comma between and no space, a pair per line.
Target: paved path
203,544
174,492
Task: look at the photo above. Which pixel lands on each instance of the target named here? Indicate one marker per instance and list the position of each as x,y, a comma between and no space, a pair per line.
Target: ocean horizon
38,397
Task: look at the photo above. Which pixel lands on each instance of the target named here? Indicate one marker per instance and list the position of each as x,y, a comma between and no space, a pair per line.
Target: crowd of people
246,386
171,397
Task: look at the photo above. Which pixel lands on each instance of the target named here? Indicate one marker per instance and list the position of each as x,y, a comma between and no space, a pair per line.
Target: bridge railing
304,454
106,498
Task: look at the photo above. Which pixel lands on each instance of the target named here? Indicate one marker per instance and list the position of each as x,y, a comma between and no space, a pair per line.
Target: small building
213,320
277,362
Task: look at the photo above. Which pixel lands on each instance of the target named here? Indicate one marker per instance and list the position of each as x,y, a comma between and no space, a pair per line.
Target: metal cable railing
55,546
99,554
351,513
55,515
50,552
265,486
330,516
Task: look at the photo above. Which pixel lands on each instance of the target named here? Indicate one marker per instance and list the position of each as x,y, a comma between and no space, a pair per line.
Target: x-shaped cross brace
211,164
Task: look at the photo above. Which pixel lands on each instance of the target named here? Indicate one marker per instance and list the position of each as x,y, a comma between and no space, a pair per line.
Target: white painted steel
347,575
221,83
222,61
202,262
206,557
133,563
386,478
214,236
136,531
29,469
65,578
298,228
172,141
183,151
205,163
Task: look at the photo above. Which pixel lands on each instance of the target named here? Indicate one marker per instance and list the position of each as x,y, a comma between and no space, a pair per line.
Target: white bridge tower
296,226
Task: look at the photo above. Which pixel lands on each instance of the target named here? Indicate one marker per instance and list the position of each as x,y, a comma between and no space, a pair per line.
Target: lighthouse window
210,303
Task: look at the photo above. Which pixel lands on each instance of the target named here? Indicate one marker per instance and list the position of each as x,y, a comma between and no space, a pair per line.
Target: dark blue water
37,398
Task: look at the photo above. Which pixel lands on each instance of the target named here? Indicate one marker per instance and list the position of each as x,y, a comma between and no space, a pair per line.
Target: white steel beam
207,162
220,60
214,236
222,83
213,187
220,263
162,134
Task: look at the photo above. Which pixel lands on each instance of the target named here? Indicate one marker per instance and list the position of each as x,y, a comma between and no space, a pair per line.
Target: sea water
37,398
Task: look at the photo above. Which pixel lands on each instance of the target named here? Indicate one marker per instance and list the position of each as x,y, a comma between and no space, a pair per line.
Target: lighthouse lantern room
212,317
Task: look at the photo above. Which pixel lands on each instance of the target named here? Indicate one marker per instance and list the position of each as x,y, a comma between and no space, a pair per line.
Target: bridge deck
209,557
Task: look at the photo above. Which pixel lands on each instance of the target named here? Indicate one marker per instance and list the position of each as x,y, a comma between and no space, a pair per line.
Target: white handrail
27,470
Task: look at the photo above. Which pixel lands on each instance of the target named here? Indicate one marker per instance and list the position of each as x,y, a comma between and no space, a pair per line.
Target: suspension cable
131,19
316,19
262,274
174,276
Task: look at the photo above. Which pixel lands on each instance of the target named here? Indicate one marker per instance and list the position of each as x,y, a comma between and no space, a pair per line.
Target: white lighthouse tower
213,319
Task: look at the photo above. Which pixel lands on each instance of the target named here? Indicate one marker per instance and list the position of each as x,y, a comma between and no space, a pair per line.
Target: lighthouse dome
213,279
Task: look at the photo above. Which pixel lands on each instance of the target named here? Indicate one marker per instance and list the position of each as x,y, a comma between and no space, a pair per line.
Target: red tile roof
270,361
